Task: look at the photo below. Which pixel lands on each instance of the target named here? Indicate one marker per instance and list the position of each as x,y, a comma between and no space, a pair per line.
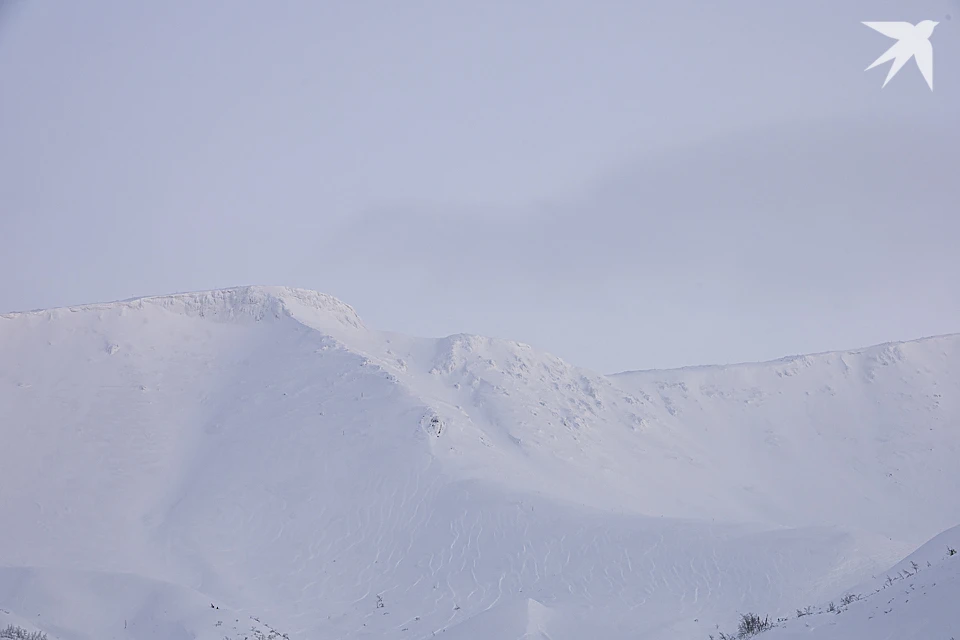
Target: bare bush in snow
19,633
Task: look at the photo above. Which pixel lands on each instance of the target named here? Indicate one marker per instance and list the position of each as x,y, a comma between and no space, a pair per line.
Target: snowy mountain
201,464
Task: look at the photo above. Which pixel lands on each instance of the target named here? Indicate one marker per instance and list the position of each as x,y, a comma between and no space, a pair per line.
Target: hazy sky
624,184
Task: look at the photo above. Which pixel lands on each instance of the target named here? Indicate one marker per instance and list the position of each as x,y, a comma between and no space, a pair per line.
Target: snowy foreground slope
916,599
177,466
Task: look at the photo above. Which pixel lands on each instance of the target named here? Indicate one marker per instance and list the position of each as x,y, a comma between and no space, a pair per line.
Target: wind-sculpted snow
260,450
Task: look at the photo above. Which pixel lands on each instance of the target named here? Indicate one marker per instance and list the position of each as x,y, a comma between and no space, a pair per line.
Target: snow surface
260,450
916,599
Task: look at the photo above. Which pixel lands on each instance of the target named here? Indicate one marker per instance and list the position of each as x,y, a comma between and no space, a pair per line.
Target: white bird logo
913,41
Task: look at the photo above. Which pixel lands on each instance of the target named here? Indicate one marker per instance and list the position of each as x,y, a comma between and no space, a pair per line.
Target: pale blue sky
624,184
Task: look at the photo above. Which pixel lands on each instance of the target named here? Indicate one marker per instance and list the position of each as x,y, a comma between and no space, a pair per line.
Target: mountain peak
252,302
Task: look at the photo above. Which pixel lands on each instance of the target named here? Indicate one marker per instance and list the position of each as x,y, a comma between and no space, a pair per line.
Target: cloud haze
625,185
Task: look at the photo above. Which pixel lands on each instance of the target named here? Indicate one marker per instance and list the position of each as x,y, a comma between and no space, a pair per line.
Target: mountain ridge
252,301
788,359
273,299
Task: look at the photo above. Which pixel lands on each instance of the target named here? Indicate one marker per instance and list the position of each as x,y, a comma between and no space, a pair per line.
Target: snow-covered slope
261,450
90,604
915,599
865,439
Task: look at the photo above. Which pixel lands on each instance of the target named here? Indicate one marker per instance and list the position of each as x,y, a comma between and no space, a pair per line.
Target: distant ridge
794,357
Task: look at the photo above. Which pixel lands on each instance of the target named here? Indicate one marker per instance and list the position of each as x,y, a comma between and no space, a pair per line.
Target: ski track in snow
261,449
